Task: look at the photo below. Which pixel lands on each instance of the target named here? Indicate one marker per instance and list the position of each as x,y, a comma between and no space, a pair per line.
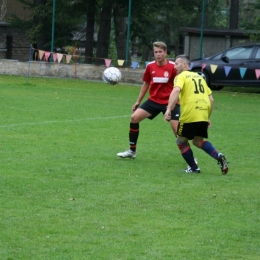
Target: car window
257,56
239,53
217,57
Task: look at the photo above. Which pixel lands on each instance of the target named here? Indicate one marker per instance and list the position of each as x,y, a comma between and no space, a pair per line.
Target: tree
90,30
104,31
38,26
233,15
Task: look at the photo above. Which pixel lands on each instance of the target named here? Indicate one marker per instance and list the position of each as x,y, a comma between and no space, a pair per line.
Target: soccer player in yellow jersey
196,103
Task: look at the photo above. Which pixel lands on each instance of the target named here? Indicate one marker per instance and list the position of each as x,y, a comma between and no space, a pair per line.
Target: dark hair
184,58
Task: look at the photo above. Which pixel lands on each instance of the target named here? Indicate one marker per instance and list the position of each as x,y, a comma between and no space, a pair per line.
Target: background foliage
97,23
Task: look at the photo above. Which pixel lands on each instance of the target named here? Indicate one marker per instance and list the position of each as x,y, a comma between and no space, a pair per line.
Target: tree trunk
234,10
91,13
120,31
104,32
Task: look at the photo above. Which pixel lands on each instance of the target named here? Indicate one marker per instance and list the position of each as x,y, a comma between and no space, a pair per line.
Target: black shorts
190,130
154,109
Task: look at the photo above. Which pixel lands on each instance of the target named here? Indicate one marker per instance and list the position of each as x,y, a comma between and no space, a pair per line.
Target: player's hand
167,115
135,106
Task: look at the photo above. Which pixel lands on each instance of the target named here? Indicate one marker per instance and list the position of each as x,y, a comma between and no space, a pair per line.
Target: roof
207,31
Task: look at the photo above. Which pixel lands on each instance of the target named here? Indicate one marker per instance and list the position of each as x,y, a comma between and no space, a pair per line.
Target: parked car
237,66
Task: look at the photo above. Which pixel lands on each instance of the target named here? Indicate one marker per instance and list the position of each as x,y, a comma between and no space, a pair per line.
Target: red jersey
161,81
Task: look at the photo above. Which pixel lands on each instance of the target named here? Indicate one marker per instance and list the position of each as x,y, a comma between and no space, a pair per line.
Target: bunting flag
227,70
120,62
257,73
134,64
108,62
59,56
47,55
68,58
242,72
41,53
213,68
54,56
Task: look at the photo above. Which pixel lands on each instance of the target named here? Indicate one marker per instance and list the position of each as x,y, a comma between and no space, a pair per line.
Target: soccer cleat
188,167
127,154
222,162
189,170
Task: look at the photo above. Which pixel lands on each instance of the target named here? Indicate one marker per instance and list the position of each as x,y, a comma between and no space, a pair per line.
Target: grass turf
66,195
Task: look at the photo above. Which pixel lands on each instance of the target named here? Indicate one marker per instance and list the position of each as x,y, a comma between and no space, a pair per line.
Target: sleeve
147,75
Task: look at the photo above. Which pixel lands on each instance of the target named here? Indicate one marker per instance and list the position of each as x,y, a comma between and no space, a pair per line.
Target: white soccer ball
112,75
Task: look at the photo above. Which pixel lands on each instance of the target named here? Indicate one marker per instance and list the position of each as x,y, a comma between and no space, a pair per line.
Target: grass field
65,195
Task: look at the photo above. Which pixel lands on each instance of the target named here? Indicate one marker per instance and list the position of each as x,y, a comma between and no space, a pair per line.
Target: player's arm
172,101
141,95
211,104
211,107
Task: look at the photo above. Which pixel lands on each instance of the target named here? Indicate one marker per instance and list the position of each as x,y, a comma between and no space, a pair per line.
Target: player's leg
187,154
147,110
139,115
185,133
175,119
207,146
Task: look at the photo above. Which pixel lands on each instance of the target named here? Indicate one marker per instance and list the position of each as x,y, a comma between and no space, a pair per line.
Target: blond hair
160,45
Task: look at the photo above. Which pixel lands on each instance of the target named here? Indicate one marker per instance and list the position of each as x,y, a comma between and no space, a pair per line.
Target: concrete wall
61,70
213,41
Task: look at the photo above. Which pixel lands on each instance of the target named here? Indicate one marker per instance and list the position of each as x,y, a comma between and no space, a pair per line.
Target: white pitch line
63,121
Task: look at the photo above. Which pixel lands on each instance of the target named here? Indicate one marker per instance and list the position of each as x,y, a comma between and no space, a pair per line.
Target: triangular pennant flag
60,56
108,62
134,64
68,58
120,62
41,53
47,55
191,66
242,72
227,70
54,56
203,66
146,63
213,68
257,73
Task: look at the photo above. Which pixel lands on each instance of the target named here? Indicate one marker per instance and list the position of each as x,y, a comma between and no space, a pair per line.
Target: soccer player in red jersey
158,79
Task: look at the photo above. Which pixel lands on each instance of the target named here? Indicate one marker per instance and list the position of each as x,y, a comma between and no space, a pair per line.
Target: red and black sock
133,135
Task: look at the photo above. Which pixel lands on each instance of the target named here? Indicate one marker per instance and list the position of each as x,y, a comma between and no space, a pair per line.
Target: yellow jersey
193,98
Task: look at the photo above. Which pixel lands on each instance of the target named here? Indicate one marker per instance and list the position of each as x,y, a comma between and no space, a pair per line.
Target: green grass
65,195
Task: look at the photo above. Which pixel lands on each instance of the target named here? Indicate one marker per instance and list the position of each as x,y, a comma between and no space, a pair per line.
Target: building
13,41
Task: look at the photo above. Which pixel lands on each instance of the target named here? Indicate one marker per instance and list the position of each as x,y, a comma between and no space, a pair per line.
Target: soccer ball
112,75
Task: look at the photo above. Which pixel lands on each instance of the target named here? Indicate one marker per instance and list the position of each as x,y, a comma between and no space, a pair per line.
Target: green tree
38,26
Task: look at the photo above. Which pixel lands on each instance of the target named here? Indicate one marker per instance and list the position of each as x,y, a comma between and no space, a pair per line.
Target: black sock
133,135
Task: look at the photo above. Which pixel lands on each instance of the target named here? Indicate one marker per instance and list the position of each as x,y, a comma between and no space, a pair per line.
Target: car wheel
206,75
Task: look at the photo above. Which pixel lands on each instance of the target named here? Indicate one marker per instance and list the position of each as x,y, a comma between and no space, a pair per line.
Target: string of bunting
58,57
227,69
42,55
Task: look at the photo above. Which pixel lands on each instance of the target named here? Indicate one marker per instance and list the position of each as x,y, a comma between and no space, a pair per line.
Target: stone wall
62,70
